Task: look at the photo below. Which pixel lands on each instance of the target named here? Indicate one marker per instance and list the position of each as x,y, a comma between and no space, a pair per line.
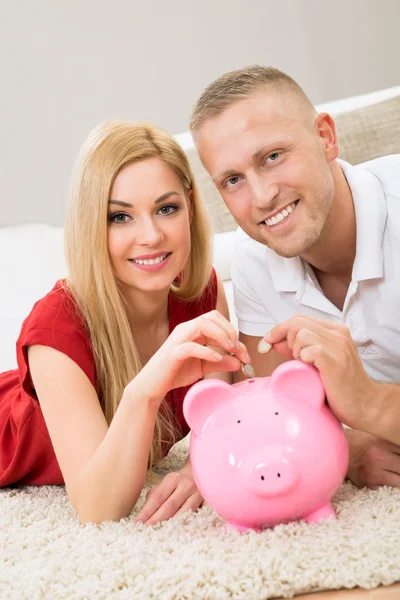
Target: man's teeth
281,215
151,261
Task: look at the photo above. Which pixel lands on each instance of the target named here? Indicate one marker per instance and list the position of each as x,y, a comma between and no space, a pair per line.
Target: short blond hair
239,85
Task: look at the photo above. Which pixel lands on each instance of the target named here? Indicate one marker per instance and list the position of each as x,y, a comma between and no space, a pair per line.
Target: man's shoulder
387,170
246,244
251,258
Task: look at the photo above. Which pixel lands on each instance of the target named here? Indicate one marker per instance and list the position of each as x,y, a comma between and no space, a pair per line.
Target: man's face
269,162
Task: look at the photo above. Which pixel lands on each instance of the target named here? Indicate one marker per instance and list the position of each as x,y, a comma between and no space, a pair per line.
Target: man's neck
335,250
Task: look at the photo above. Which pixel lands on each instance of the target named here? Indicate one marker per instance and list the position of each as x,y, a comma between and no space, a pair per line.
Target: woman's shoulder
56,311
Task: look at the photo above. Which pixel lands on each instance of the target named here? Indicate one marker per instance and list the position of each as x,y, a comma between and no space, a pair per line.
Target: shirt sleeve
252,316
54,323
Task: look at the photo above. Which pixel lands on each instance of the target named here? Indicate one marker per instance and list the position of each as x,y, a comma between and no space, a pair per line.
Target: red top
26,452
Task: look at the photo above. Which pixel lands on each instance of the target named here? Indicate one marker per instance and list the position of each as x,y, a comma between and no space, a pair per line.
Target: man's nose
263,191
150,234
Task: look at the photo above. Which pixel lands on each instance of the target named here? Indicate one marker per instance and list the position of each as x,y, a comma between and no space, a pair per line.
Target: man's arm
383,417
355,398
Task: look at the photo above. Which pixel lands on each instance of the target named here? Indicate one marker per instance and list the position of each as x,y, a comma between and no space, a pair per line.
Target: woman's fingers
194,350
214,330
228,363
156,497
168,498
192,503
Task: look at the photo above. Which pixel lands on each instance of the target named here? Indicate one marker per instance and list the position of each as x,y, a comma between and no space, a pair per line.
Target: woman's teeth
281,215
151,261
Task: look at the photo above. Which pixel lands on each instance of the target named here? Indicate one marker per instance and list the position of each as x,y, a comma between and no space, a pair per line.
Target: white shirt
269,289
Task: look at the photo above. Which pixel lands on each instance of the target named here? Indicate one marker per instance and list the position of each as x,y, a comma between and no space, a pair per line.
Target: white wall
67,64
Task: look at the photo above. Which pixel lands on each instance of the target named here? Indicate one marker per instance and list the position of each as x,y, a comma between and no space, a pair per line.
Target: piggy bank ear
202,399
300,379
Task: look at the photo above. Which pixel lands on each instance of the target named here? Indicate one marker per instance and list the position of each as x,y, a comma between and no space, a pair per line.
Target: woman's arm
104,468
177,492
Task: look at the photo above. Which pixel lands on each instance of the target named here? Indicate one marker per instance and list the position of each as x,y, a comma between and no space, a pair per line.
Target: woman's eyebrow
160,199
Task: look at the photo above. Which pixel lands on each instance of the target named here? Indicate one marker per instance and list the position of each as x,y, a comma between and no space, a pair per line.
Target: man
317,262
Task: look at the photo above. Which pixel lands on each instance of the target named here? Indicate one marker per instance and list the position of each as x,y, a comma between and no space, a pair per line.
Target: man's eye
168,209
231,181
274,156
118,218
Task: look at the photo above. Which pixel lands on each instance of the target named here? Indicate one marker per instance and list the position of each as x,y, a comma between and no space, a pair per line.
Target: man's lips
280,215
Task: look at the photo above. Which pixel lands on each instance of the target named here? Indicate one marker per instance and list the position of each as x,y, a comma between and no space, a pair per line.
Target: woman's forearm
109,486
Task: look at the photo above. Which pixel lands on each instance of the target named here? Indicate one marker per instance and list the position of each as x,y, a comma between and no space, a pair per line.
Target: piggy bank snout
269,473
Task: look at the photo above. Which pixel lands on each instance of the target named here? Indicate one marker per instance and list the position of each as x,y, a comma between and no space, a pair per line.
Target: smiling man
316,270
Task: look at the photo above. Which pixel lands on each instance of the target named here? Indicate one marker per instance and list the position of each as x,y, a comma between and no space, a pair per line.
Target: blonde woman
106,357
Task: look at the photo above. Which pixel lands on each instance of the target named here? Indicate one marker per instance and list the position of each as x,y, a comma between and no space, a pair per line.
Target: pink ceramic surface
267,450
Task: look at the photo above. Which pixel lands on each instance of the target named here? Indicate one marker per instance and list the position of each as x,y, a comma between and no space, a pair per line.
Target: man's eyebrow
160,199
273,143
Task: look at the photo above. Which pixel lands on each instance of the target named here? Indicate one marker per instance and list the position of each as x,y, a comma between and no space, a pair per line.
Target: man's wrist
382,412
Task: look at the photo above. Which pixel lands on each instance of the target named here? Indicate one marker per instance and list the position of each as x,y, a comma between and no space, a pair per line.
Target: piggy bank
267,450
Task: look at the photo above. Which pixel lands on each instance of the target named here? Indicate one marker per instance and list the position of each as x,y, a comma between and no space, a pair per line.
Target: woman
105,359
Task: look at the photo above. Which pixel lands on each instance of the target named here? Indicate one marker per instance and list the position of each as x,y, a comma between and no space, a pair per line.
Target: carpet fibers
45,553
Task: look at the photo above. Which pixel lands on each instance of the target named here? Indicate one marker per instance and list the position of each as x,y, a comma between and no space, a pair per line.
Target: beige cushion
221,218
364,134
369,132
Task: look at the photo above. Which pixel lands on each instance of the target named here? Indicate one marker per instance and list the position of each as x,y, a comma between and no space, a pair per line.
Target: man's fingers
283,348
288,330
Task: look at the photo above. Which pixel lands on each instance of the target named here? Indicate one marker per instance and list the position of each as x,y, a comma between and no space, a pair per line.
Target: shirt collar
289,274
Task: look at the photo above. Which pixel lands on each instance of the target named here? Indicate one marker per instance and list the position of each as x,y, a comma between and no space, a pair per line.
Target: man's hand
175,494
351,393
373,461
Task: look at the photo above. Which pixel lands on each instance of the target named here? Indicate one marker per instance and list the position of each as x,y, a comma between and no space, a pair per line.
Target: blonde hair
110,147
238,85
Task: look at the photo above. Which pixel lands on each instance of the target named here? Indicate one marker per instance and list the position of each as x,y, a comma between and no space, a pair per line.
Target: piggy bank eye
239,421
277,413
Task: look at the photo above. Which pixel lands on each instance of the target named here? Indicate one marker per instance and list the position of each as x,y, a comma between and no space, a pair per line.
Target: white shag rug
45,553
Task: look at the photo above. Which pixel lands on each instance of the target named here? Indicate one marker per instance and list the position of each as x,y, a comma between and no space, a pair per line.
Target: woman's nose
150,234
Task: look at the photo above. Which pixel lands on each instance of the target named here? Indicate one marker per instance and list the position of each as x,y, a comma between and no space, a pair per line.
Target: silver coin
263,347
248,370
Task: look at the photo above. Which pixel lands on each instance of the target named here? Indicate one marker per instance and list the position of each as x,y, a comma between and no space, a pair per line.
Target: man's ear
190,201
326,129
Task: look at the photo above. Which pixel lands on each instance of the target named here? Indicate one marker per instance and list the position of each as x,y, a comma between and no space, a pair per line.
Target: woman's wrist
138,392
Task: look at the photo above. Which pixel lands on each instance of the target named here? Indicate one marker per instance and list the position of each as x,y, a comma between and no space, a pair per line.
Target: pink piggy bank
267,450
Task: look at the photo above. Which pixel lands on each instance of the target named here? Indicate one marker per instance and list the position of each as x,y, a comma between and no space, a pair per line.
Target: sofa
31,255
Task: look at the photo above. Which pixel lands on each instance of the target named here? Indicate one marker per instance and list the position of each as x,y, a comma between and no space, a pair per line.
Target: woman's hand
185,357
175,494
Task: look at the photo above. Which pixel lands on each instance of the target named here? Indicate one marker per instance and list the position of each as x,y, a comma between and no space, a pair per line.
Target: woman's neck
146,311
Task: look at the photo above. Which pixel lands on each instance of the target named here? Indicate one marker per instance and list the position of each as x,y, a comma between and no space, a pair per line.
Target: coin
263,347
248,370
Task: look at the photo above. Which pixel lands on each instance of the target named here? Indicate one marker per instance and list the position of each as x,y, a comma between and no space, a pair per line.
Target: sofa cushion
31,261
221,218
369,132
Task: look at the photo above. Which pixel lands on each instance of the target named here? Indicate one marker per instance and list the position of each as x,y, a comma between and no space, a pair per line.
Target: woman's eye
168,209
118,218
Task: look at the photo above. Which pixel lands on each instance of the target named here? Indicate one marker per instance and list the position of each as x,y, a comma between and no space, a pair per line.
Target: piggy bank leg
239,528
322,513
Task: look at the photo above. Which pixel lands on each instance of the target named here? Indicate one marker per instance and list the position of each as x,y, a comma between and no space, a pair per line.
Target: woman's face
148,225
